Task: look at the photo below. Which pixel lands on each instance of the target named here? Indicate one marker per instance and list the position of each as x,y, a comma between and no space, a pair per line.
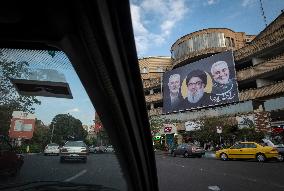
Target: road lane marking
76,176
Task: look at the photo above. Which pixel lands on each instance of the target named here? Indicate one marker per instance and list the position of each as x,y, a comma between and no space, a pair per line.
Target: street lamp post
52,133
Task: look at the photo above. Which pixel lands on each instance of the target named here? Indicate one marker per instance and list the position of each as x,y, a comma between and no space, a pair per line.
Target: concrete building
259,64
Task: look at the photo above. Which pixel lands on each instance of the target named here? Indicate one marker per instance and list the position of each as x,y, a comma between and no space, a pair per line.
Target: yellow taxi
247,150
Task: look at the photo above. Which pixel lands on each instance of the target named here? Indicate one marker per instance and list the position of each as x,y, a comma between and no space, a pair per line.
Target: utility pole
262,13
52,133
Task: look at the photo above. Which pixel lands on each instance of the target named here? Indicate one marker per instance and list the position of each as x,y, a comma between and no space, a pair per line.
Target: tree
66,127
10,100
41,135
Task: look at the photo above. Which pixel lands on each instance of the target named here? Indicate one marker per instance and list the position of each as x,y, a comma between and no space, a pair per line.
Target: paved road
174,173
177,173
101,169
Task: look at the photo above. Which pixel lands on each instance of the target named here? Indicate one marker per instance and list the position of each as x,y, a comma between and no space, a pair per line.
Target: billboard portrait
207,82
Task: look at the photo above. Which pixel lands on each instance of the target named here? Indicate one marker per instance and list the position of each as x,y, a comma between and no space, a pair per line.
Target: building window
228,42
160,69
145,70
233,42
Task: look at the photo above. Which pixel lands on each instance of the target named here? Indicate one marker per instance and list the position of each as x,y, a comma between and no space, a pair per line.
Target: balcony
156,111
266,91
261,44
152,83
153,98
262,68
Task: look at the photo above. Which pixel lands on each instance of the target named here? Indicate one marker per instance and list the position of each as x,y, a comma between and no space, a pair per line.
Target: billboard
192,125
22,125
207,82
245,121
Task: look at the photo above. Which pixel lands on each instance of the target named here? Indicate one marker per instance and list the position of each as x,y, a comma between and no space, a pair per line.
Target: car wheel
173,154
260,157
223,156
186,155
85,160
199,156
44,154
280,158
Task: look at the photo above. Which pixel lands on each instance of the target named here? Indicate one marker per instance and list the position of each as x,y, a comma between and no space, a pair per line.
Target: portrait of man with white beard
173,104
224,88
196,96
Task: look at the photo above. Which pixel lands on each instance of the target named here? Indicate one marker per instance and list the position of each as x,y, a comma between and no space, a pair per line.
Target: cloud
74,110
211,2
248,3
162,13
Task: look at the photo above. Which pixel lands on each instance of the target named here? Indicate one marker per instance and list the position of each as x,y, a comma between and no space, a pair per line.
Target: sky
79,107
159,23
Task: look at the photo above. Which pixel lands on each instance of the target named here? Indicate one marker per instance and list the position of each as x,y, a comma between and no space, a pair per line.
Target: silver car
187,150
51,149
74,150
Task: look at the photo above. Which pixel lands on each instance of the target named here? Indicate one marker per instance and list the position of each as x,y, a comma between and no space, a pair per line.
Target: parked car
51,149
187,150
74,150
10,161
109,149
248,150
279,147
98,149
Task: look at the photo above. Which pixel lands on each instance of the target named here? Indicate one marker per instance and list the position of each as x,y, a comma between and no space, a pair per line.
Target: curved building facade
203,43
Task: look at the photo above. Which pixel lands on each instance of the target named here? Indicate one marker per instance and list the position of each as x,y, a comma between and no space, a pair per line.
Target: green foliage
66,127
10,100
41,136
230,132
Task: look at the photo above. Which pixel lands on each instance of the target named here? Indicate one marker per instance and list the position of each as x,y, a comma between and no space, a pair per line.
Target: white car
74,150
109,149
52,149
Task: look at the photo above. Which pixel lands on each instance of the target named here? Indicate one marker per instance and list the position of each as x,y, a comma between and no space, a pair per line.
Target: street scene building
259,65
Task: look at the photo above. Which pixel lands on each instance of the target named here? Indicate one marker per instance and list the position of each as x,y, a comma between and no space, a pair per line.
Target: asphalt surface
100,169
177,173
174,173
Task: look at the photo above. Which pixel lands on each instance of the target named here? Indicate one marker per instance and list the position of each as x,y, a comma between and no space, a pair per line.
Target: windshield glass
43,103
75,144
212,75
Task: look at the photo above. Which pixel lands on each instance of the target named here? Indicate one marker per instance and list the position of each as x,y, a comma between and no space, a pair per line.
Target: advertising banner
207,82
22,125
192,125
245,121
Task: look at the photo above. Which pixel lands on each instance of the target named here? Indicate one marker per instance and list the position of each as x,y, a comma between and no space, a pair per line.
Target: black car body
10,161
187,150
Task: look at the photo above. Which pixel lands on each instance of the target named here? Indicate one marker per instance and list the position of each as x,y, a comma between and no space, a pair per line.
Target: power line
262,12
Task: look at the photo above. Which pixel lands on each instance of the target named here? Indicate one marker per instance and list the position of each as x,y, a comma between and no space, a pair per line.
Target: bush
33,148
